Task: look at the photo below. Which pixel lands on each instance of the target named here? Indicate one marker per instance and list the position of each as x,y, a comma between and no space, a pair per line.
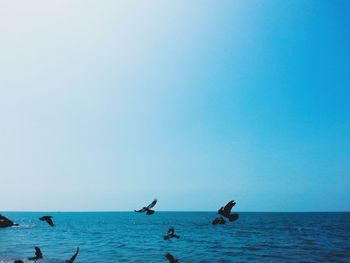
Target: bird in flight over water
5,222
71,260
171,258
38,254
147,209
171,234
226,211
48,220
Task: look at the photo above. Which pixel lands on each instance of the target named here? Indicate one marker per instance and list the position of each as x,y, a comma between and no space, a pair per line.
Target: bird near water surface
38,254
148,209
47,219
5,222
171,234
226,211
171,258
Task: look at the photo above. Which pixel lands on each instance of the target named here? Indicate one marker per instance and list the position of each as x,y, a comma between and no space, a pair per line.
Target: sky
105,106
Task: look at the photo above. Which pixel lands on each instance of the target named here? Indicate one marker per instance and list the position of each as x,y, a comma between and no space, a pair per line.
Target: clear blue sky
104,106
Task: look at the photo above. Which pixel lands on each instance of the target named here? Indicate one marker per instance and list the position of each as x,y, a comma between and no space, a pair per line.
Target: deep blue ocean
133,237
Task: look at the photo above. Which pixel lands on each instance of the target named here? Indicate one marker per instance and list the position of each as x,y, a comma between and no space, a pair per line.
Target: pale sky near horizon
106,106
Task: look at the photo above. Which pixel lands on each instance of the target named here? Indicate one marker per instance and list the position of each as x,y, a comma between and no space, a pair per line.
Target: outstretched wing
171,231
73,257
228,207
151,205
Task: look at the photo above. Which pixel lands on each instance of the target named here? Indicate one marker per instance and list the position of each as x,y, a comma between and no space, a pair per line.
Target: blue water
133,237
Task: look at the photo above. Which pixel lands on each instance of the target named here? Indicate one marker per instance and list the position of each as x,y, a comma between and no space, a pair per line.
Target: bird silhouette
171,234
226,211
171,258
71,260
219,221
48,220
38,254
5,222
147,209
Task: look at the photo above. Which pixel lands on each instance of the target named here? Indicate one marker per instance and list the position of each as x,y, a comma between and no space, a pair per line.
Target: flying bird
71,260
5,222
147,209
219,221
226,211
171,234
171,258
38,254
48,220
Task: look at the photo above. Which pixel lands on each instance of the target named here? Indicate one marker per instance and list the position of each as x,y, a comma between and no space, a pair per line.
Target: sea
135,237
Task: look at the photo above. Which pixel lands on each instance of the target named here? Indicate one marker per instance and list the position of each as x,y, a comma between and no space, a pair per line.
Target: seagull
5,222
226,211
38,254
48,220
219,221
71,260
171,234
147,209
171,258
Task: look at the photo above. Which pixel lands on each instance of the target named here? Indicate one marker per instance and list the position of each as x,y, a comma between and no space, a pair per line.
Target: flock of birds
224,212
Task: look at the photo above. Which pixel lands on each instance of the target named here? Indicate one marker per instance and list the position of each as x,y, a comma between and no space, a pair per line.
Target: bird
171,258
147,209
5,222
48,220
226,211
219,221
18,261
38,254
171,234
71,260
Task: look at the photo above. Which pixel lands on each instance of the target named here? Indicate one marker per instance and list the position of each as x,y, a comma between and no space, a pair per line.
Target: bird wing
171,231
170,257
143,209
38,252
151,205
229,206
73,257
49,221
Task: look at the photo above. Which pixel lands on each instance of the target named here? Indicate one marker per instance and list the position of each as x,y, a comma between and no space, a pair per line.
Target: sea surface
134,237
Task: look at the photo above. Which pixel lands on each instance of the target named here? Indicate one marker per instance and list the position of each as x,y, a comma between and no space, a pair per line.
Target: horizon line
163,211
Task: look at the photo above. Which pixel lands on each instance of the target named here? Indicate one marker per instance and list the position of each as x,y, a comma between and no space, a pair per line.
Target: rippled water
133,237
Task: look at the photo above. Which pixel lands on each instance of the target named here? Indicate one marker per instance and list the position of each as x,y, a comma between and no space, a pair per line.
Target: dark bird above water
171,258
48,220
147,209
219,221
71,260
226,211
171,234
38,254
5,222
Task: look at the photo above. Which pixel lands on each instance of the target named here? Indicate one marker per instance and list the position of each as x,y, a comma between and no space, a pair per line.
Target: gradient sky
104,106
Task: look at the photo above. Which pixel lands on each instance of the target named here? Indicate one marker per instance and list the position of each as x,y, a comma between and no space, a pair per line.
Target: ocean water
135,237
